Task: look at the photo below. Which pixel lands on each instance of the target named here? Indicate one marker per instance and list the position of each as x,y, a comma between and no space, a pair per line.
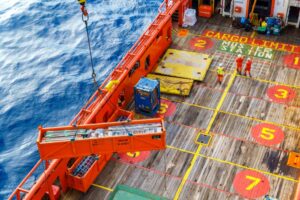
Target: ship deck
190,171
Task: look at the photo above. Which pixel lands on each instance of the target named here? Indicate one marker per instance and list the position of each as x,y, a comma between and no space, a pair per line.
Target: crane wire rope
85,19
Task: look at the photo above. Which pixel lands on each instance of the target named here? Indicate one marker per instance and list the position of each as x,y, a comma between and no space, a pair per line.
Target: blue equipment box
147,96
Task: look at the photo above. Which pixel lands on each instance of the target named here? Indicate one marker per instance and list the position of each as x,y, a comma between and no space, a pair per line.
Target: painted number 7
255,182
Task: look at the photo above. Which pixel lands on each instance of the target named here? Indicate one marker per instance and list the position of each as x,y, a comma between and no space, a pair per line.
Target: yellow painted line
179,149
271,82
263,121
103,187
253,34
189,104
188,171
234,164
230,83
261,80
238,115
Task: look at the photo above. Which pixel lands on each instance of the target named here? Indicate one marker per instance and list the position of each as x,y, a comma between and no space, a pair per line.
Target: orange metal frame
138,62
102,145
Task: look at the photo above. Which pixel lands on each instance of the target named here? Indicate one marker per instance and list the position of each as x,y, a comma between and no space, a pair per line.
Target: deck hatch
203,139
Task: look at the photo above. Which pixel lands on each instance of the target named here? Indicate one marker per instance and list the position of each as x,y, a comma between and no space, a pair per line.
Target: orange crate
83,183
205,11
294,160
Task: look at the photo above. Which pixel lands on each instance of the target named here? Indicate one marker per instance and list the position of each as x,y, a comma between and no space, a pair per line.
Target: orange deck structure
201,113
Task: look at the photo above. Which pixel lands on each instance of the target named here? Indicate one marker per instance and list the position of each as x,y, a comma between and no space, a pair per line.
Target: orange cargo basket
83,182
110,137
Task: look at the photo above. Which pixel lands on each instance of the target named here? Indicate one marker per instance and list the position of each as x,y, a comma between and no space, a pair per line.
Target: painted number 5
163,108
282,94
255,182
267,133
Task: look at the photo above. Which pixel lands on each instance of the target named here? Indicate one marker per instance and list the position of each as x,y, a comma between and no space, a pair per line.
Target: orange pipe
247,8
272,8
297,195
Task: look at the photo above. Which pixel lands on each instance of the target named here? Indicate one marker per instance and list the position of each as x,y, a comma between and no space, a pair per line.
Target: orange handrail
19,188
297,195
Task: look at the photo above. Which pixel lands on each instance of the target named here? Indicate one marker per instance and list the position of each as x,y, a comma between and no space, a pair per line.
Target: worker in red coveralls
220,72
248,67
239,63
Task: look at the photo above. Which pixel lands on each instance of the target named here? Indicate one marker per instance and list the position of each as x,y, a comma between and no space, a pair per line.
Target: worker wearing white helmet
239,63
220,73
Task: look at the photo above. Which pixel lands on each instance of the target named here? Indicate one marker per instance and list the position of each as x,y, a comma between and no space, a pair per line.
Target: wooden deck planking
148,175
220,176
178,133
263,110
240,128
232,140
89,195
250,155
191,116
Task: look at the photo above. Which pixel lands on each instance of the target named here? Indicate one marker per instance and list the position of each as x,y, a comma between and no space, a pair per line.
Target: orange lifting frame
101,145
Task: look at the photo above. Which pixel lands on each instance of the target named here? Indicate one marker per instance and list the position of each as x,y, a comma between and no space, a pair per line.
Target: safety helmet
248,59
240,55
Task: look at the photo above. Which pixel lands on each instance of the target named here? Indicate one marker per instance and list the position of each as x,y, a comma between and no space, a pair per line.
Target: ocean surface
45,71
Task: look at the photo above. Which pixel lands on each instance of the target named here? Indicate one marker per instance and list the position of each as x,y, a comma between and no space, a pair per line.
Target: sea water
45,70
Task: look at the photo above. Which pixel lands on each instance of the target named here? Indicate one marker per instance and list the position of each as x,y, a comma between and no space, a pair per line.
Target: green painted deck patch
247,50
123,192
